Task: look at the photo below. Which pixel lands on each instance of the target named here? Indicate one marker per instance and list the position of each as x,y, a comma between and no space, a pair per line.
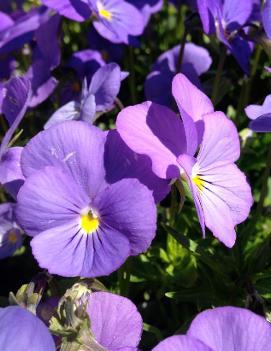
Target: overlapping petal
181,343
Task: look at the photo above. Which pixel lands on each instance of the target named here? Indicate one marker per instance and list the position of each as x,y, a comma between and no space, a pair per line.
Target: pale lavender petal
255,111
153,130
70,111
236,12
115,321
232,328
208,10
181,343
76,10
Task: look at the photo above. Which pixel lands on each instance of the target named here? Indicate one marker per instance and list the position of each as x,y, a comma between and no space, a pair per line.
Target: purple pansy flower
22,330
16,98
96,98
228,18
91,227
76,10
10,233
196,61
260,115
147,7
115,322
117,20
220,191
222,329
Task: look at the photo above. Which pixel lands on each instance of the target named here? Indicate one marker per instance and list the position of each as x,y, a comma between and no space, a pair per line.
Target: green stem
124,274
218,75
181,53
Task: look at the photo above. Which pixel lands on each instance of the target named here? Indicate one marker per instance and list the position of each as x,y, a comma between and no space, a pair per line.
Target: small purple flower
117,20
22,330
147,7
220,191
260,116
196,61
115,322
16,94
87,227
96,98
10,233
222,329
227,18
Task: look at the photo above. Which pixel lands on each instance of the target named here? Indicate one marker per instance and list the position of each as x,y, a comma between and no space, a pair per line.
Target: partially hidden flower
22,330
221,194
10,233
260,116
16,96
266,18
222,329
87,227
117,20
115,322
96,98
147,7
196,61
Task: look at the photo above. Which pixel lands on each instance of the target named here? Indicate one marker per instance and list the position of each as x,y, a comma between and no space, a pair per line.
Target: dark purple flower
96,98
117,20
10,233
22,330
115,322
87,227
220,191
16,98
196,61
260,115
222,329
227,18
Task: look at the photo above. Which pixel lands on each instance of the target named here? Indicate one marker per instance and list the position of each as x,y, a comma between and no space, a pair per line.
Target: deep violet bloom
96,98
227,18
10,233
196,61
260,116
16,94
222,329
221,194
117,20
115,322
87,227
22,330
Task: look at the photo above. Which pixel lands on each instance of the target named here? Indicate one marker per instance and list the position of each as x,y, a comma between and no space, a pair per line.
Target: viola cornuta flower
80,224
10,233
16,96
115,322
221,193
260,116
22,330
222,329
196,61
117,20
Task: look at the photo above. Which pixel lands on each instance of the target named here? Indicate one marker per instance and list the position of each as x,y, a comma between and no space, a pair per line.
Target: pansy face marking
103,12
89,221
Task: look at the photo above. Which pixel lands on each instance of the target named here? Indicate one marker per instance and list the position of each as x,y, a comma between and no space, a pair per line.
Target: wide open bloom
196,61
15,101
10,233
222,329
220,191
115,322
227,18
81,225
260,116
22,330
96,98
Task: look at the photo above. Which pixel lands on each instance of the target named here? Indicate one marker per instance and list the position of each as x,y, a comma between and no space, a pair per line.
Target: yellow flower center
103,12
199,182
89,222
12,236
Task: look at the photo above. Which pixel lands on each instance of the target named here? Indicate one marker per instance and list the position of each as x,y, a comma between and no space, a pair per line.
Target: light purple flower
87,227
22,330
260,116
10,233
76,10
117,20
147,7
196,61
222,329
16,98
220,191
115,321
266,18
96,98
